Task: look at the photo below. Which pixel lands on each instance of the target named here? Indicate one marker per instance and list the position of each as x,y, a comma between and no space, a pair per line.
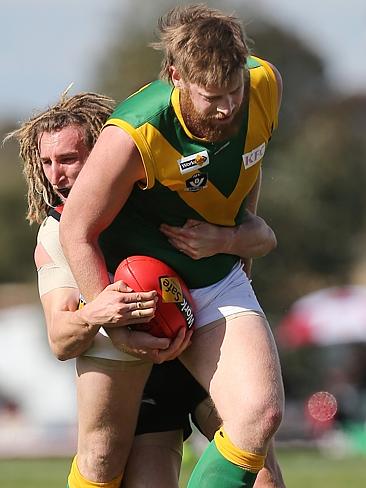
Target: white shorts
231,295
103,348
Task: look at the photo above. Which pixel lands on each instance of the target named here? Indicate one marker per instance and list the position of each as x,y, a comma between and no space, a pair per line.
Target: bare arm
253,238
261,240
70,330
68,335
98,194
101,190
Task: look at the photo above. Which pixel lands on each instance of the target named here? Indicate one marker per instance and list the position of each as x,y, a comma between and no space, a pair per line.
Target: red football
174,309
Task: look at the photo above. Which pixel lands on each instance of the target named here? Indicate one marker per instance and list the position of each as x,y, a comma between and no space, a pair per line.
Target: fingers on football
141,305
141,296
128,295
181,341
142,314
143,340
120,286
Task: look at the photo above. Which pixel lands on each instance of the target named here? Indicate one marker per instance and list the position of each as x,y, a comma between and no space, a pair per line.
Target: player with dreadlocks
86,110
54,146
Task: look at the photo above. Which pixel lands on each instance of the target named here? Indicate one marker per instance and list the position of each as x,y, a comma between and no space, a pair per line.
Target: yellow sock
77,480
247,460
223,465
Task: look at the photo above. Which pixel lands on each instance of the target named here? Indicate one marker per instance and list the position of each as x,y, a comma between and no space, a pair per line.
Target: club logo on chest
196,182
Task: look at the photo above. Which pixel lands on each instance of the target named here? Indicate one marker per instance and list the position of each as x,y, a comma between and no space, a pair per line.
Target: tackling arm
252,238
71,330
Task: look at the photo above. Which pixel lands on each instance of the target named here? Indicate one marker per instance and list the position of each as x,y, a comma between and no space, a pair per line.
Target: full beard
208,126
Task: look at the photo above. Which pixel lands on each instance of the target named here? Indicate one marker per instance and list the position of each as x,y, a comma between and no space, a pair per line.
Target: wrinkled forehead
67,139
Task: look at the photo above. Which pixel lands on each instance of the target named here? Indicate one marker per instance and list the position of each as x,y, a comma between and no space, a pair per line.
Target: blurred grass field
309,469
302,469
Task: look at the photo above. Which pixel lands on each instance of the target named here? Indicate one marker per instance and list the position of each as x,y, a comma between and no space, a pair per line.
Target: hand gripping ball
174,308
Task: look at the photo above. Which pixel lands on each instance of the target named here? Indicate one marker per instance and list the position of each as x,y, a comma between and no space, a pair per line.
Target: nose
226,106
57,174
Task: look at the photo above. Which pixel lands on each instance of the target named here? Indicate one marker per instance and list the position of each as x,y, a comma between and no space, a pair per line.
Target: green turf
308,469
34,473
302,469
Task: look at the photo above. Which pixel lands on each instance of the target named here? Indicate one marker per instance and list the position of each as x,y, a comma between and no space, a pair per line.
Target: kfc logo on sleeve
252,157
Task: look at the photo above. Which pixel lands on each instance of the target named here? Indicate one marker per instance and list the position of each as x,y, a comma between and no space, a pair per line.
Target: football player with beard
183,152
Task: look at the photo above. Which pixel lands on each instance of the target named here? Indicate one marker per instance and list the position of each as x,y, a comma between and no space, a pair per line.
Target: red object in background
320,412
322,406
174,309
326,317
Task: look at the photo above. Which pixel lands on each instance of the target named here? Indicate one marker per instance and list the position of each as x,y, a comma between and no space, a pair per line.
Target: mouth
223,120
226,119
64,192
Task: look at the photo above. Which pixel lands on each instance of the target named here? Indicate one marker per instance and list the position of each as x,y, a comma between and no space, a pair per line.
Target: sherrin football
174,308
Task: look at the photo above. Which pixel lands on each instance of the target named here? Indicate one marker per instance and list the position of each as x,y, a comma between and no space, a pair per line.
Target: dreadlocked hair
89,111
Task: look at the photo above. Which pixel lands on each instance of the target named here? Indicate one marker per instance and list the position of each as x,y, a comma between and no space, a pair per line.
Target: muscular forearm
71,330
251,239
87,264
100,191
69,334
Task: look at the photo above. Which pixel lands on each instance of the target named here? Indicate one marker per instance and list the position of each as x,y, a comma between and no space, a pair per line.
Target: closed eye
68,160
211,99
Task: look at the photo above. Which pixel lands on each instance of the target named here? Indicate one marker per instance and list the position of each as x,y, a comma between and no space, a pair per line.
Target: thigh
154,461
109,396
236,360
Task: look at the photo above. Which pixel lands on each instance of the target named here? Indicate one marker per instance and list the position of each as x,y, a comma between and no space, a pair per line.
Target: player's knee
271,419
268,412
82,475
101,463
262,418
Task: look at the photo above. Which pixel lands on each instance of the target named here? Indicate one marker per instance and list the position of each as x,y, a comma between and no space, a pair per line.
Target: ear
175,77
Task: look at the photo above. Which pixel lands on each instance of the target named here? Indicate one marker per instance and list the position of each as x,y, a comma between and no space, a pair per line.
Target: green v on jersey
188,177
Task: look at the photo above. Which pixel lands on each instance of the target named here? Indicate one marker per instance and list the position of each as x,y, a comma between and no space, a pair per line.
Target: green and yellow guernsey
188,177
